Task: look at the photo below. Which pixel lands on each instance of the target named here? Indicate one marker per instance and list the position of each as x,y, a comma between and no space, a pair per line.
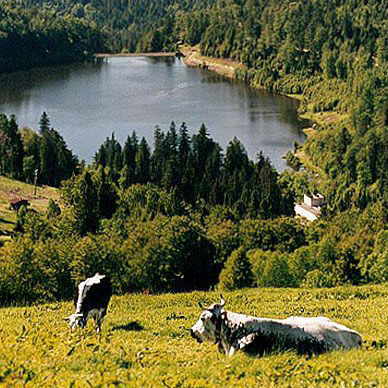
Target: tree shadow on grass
131,326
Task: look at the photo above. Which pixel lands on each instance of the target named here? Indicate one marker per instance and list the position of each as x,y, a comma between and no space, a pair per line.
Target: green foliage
375,265
40,36
270,269
194,169
317,279
168,254
79,194
22,152
102,254
145,202
11,148
283,234
53,209
34,272
237,272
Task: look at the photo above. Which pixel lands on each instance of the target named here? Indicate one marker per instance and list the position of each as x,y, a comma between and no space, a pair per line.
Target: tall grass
145,342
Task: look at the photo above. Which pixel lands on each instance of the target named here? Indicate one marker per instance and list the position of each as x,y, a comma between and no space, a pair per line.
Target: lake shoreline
126,55
227,67
193,58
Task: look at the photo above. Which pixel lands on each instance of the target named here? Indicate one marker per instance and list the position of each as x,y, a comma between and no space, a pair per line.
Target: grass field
11,190
145,342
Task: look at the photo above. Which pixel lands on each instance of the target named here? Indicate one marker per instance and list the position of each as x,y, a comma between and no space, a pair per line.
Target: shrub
32,272
317,279
375,267
168,254
270,269
302,261
237,272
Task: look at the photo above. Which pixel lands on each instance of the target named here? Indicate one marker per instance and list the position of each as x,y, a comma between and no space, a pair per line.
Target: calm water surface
88,102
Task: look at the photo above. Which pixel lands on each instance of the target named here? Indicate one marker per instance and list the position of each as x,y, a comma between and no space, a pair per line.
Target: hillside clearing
145,342
12,190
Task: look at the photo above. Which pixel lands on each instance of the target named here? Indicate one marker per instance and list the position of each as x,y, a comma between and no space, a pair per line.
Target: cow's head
205,328
75,320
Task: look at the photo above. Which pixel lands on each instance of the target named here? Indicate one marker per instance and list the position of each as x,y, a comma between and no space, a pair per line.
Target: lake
87,102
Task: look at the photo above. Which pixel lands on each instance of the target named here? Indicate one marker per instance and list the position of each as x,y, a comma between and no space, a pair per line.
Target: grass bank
146,343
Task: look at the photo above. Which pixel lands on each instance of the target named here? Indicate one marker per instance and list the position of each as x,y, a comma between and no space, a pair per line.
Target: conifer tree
142,170
44,123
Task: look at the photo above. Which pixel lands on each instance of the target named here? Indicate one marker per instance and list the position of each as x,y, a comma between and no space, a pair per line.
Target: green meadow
146,342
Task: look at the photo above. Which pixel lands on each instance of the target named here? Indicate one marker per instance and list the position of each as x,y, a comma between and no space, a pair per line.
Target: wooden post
35,180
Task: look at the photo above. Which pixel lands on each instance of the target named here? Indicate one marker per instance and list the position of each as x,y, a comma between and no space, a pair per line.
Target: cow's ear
200,305
222,301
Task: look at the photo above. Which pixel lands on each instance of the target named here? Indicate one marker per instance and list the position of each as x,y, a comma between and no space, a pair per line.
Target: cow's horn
222,301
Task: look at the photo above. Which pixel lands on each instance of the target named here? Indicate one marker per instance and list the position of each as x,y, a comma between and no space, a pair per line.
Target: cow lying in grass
232,331
91,301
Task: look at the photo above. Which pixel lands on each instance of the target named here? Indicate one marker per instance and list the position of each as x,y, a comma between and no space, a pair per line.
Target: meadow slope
146,343
14,190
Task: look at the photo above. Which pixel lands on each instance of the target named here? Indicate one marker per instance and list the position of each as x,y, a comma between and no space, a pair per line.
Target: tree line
197,171
161,235
332,53
39,36
24,151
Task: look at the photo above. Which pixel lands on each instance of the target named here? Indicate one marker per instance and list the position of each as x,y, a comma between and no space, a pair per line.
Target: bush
33,272
302,261
270,269
317,279
168,254
283,234
237,272
98,253
375,267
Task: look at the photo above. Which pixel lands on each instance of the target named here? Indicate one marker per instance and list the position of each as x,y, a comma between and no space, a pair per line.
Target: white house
311,207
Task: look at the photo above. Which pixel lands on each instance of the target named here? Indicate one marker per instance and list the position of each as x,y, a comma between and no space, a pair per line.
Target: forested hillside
184,215
31,37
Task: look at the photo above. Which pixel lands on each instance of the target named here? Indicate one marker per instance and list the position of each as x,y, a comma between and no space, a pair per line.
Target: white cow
233,331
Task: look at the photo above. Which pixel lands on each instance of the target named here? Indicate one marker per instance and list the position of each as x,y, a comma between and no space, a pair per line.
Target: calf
91,301
232,331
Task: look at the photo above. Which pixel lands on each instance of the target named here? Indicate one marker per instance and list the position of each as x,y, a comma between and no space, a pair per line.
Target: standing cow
91,301
232,331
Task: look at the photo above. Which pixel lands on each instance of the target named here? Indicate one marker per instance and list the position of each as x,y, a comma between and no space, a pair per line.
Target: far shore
102,55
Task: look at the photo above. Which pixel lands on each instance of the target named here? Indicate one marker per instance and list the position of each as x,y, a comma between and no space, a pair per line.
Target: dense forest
183,214
39,36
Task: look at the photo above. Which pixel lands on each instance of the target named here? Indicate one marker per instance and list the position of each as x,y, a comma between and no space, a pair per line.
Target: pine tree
106,195
129,161
44,123
79,195
158,158
142,170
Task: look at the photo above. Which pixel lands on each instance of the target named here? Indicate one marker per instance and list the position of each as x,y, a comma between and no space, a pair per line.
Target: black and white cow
91,301
232,331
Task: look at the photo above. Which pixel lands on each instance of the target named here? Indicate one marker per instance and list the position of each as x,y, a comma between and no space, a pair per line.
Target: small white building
311,207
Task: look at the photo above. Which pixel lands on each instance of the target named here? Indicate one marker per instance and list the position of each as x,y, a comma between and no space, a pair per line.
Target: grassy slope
11,190
145,343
